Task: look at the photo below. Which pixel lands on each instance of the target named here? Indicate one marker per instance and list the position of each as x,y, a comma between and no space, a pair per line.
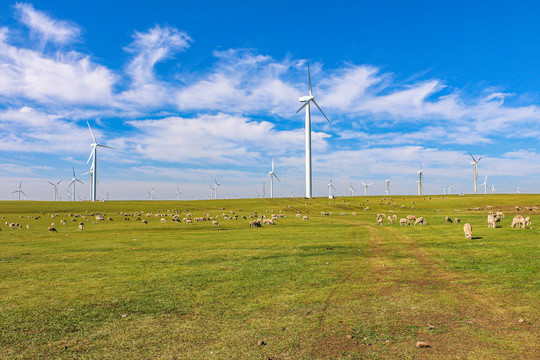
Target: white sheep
467,228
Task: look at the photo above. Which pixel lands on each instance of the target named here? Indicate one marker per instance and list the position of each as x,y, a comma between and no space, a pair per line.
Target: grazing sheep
518,222
305,218
367,209
467,229
394,217
448,219
379,221
404,221
189,221
215,223
389,219
255,223
51,229
420,221
493,221
81,227
28,227
528,221
63,222
500,214
163,220
457,220
144,221
298,215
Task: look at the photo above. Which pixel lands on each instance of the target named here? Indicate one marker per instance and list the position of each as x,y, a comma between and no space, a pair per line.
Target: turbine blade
74,171
309,77
59,182
93,137
277,178
22,192
472,157
91,154
79,181
479,159
303,106
108,147
322,112
50,183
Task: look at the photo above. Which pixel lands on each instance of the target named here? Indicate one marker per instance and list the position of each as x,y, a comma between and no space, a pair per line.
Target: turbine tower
73,181
330,187
19,190
365,187
178,192
475,163
493,189
420,175
307,100
55,188
387,186
352,190
93,156
272,174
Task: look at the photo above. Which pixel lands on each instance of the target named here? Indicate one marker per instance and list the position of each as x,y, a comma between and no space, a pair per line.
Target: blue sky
187,92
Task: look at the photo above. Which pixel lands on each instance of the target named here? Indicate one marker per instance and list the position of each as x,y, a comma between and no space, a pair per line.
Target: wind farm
255,187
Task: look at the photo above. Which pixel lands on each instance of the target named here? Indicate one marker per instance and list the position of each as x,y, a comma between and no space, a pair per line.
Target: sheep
305,218
268,222
394,217
411,218
518,222
379,221
63,222
254,223
27,227
163,220
528,221
51,229
189,221
144,221
215,223
420,221
457,220
298,215
467,229
389,219
493,221
448,219
500,214
404,221
81,227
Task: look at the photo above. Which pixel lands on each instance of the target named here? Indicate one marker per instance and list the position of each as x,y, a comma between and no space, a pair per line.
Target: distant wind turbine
215,188
365,187
330,187
352,190
475,163
419,181
151,194
387,186
178,192
493,189
19,190
55,188
272,175
73,181
485,186
93,156
307,100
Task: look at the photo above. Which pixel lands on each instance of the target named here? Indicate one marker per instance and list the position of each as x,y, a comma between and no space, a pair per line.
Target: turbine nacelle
305,98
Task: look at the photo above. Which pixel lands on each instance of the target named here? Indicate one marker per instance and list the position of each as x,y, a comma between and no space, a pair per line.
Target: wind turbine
420,175
352,190
212,189
485,186
73,181
178,192
215,188
55,188
444,190
272,174
307,100
70,194
493,189
365,187
387,186
475,163
450,189
19,190
151,194
330,187
93,156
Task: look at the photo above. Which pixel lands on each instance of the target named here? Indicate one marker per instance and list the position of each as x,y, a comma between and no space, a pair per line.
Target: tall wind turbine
485,186
352,190
365,187
330,187
178,192
55,188
307,100
151,194
493,189
272,174
19,190
212,189
450,189
475,163
73,181
93,156
420,175
387,186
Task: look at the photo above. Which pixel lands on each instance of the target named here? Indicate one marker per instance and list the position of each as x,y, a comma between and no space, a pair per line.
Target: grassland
333,287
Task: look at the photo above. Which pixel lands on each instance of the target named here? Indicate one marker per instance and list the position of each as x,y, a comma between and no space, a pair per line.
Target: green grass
336,286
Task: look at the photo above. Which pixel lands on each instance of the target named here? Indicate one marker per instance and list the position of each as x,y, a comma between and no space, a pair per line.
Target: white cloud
46,28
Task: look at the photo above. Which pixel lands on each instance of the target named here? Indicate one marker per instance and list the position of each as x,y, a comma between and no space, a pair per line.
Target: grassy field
333,287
